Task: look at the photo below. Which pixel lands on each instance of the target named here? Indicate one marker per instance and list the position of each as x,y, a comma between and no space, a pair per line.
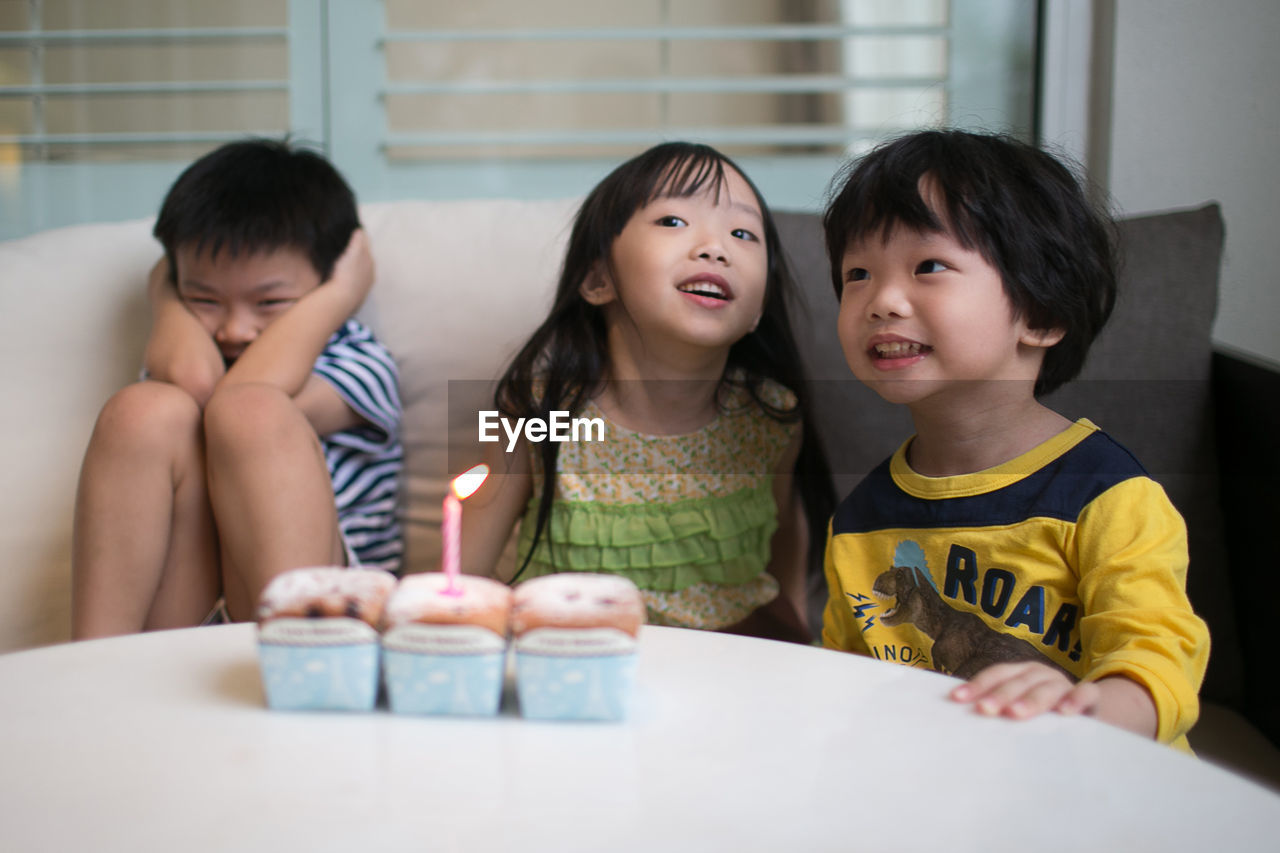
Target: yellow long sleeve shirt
1069,554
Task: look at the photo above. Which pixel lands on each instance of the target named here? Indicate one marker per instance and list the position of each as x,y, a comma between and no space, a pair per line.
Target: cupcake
318,638
575,638
444,647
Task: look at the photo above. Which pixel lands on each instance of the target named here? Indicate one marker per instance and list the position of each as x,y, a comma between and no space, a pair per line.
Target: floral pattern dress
688,518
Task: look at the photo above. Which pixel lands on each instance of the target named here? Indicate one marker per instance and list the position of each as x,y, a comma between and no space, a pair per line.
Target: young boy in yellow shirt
1002,543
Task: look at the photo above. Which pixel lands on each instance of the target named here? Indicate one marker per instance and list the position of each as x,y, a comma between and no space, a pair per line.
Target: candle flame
465,484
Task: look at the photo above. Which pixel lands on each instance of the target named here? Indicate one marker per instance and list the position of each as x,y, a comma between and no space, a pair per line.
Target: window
102,102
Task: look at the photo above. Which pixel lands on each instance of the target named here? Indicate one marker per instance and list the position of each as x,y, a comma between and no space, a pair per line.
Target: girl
670,325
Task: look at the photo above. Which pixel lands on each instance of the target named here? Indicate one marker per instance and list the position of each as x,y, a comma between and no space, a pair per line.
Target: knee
240,417
150,415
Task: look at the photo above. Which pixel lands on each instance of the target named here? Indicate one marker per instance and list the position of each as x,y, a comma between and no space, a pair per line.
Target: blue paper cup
443,669
575,673
328,664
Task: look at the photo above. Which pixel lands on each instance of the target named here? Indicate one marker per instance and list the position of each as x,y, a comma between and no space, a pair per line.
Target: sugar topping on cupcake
327,592
425,598
577,600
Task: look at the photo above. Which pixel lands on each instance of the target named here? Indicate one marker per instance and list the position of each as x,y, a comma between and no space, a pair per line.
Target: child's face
921,315
689,270
235,298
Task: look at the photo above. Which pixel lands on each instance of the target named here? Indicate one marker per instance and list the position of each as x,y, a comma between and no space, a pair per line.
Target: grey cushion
1146,383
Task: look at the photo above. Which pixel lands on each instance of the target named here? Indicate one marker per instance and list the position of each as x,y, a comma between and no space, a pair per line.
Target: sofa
459,286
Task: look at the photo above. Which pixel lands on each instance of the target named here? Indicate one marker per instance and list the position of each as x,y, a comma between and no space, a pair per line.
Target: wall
1195,117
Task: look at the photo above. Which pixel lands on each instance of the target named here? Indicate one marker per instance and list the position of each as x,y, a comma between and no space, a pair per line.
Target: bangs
887,204
925,199
691,172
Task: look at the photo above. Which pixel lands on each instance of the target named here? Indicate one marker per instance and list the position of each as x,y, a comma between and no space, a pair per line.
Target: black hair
1021,208
259,195
563,363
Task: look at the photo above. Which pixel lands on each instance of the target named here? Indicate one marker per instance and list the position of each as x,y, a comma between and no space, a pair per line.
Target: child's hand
179,349
1022,690
354,269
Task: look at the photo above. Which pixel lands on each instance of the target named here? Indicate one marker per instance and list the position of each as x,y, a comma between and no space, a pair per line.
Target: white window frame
1066,80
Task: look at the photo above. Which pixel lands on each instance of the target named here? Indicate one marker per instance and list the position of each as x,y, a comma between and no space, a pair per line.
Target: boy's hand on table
1026,689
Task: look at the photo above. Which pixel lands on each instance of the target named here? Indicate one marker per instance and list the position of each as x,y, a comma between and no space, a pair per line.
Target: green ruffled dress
689,517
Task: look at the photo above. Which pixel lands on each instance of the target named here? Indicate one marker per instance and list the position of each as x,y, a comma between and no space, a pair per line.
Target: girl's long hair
564,362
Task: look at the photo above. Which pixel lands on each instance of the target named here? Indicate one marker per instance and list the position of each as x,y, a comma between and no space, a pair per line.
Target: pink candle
451,532
462,487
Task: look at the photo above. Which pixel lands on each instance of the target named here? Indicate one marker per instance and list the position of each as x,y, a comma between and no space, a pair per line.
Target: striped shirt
365,461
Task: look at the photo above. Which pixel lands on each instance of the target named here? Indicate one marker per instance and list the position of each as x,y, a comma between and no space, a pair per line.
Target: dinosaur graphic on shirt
963,644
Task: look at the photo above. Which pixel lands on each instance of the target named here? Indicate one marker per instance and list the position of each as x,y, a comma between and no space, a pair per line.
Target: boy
264,433
1002,543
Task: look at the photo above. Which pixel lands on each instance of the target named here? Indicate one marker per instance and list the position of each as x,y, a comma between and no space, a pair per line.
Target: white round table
163,742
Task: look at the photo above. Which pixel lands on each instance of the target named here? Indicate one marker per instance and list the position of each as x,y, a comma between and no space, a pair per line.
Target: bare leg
144,554
270,491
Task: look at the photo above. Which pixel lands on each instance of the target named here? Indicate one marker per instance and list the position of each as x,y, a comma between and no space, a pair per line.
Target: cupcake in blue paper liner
444,645
575,638
318,641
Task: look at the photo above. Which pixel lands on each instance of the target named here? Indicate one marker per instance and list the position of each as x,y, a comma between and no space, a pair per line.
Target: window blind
766,88
73,87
